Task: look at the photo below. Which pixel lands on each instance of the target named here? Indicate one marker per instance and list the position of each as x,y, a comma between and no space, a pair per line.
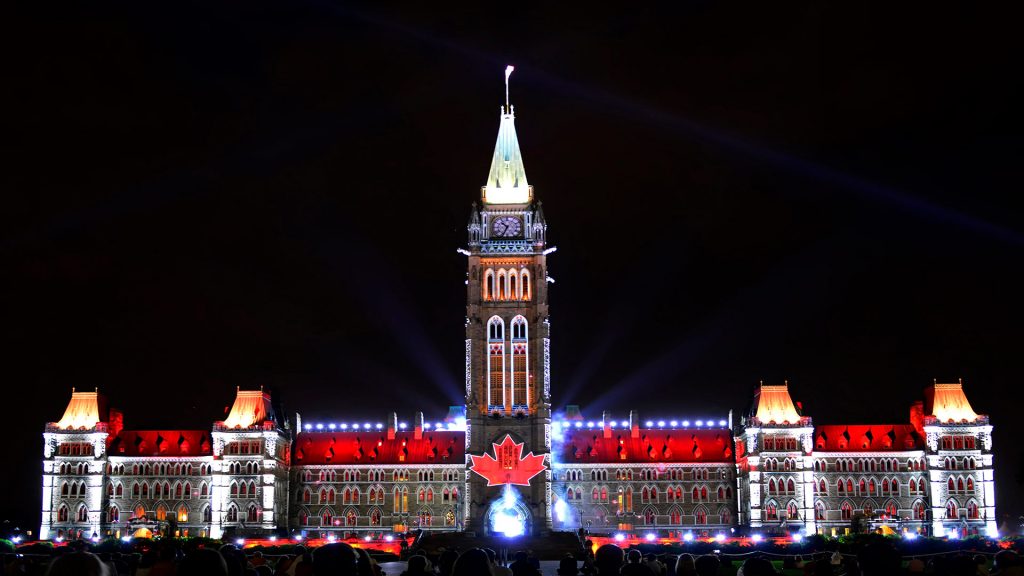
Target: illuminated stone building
502,457
932,474
100,479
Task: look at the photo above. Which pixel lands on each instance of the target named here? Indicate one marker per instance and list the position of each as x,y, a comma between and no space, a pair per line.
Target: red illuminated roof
160,443
438,447
668,446
861,438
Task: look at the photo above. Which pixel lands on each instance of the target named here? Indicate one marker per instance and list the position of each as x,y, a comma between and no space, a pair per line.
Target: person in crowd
204,562
365,564
1007,563
757,567
417,565
299,565
567,566
521,565
146,563
655,565
706,565
446,561
685,565
474,562
982,564
337,559
879,559
77,564
496,568
635,565
608,560
915,566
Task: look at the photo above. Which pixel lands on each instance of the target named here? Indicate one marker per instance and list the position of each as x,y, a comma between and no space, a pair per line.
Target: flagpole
508,72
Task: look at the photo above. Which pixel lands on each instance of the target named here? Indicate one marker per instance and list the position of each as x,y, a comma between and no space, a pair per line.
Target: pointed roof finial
508,72
506,181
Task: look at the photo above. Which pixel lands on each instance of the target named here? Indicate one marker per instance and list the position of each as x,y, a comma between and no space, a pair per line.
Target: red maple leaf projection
510,466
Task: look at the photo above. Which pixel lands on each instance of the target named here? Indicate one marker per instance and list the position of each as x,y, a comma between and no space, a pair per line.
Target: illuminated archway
508,515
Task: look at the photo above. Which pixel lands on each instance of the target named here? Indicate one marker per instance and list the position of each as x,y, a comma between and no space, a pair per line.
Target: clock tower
508,335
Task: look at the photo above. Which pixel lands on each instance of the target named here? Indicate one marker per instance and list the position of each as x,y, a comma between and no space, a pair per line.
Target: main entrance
508,515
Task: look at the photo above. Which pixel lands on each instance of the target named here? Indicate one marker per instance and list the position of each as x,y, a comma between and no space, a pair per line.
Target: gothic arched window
520,361
489,285
513,285
496,361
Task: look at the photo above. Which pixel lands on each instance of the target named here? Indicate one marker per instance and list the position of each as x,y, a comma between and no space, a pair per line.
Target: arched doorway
508,515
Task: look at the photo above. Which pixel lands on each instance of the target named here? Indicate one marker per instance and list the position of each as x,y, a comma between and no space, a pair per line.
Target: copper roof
436,447
867,438
160,443
652,446
774,405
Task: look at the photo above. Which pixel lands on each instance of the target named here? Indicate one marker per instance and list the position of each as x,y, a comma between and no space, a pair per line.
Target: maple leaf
510,466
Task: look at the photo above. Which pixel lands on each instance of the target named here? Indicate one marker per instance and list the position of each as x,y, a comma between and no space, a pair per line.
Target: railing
99,427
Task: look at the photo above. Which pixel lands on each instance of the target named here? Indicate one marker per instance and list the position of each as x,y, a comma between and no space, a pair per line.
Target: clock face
507,227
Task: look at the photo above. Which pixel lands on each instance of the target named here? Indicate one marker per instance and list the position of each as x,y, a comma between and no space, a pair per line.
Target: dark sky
208,194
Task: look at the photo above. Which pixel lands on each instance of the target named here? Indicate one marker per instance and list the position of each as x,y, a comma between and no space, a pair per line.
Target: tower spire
506,181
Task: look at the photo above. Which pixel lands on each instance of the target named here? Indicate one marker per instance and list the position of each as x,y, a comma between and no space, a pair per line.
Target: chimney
417,423
392,425
116,423
634,424
606,422
917,417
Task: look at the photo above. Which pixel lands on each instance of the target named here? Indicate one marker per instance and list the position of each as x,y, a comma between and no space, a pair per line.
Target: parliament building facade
257,472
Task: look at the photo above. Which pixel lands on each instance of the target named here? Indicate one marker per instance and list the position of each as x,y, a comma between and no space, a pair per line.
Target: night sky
207,194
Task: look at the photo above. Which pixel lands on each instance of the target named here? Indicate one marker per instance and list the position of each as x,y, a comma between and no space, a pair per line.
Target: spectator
496,568
819,567
880,559
204,562
685,565
417,565
982,564
337,559
635,565
365,564
446,562
915,566
146,563
567,566
707,565
233,557
608,560
962,566
299,565
522,566
758,567
655,565
474,562
77,564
